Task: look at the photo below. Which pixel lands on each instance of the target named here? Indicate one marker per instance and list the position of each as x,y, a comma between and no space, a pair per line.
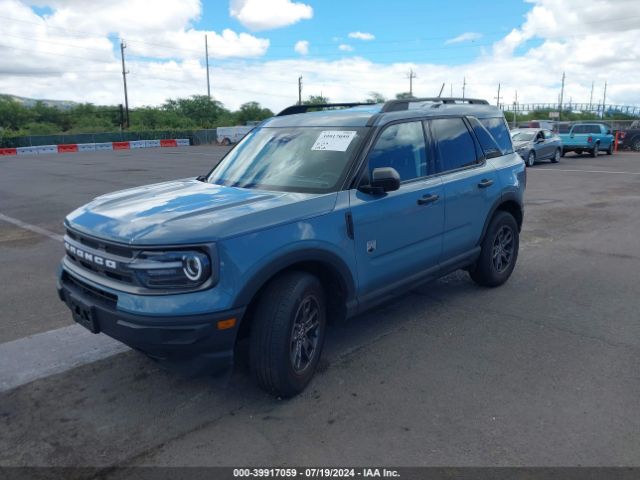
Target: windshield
523,136
293,159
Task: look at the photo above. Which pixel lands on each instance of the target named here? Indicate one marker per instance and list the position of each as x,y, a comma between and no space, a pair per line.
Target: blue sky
404,30
69,49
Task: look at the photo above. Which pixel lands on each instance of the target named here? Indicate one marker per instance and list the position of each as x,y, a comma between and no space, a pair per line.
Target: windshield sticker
334,140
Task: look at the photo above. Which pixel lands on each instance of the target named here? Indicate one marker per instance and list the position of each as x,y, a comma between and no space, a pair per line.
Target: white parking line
583,171
32,228
56,351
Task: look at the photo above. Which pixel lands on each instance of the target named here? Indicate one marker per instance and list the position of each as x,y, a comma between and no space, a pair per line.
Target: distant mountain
31,102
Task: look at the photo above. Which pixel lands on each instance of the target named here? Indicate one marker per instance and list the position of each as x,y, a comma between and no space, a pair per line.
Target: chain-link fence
196,137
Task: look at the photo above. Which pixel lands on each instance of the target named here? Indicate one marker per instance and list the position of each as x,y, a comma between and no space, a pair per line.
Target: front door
398,234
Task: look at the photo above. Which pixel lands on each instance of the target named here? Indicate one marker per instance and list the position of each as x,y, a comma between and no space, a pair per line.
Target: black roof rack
397,105
293,109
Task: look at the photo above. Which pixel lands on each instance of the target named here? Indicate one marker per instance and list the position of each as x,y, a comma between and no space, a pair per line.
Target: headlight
172,270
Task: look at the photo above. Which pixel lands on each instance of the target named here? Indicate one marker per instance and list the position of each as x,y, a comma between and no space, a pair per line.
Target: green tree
375,97
404,96
316,100
251,112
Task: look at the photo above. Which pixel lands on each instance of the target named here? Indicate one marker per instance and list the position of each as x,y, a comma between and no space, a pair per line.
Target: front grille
84,249
89,290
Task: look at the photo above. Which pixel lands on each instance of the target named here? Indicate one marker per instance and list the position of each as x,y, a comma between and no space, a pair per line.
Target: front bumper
193,341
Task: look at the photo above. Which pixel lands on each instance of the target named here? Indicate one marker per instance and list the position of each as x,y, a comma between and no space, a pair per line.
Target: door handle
428,198
484,183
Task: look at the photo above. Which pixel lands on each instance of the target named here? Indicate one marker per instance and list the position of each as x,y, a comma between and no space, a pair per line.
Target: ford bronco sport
312,217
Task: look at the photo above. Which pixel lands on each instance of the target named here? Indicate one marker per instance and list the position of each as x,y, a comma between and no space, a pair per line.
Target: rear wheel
499,251
288,333
595,150
556,156
610,149
635,145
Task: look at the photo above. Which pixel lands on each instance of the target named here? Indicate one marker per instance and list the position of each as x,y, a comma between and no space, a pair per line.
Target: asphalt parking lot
542,371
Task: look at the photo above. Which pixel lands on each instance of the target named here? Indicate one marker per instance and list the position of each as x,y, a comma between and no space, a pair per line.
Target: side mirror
539,140
383,180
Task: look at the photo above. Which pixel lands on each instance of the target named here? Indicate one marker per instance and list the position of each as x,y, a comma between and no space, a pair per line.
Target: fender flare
260,277
504,198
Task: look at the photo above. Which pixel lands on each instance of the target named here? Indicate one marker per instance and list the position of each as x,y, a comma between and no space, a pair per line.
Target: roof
363,115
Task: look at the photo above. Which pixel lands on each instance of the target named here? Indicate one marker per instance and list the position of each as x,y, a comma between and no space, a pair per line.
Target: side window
401,146
547,134
500,132
487,142
455,144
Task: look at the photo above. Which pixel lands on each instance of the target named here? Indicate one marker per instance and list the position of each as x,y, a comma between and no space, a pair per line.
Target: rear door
470,183
398,234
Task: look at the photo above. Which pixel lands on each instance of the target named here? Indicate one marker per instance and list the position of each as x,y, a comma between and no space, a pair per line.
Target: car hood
190,211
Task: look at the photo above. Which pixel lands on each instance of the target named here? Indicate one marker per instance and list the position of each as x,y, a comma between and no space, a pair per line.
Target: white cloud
269,14
465,37
343,47
302,47
44,62
362,36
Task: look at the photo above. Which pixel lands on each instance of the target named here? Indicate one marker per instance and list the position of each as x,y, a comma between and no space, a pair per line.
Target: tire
610,149
635,145
280,361
531,159
595,150
556,156
563,153
493,272
226,142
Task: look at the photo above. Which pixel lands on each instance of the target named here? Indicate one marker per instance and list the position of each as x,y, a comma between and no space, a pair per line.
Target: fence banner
104,146
27,150
8,151
87,147
47,149
152,143
121,145
168,143
138,143
182,142
67,148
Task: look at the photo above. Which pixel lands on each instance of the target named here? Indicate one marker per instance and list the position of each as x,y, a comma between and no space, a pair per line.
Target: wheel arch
509,203
333,273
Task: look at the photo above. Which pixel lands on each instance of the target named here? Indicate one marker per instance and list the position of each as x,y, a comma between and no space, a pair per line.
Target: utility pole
464,85
591,98
124,79
300,90
604,98
411,75
451,90
206,59
561,98
498,97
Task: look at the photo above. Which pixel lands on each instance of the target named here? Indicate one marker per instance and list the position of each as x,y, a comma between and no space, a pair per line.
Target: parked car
588,137
311,218
534,144
630,137
545,124
229,135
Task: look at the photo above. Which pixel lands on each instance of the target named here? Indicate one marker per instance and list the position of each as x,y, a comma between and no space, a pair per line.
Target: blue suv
313,217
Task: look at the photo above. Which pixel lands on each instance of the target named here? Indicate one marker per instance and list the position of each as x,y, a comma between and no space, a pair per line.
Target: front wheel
287,333
556,156
499,251
531,159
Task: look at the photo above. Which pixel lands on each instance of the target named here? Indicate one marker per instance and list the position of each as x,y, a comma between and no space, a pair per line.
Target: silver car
534,144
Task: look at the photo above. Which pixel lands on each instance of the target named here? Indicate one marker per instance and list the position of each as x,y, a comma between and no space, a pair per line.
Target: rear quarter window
498,129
